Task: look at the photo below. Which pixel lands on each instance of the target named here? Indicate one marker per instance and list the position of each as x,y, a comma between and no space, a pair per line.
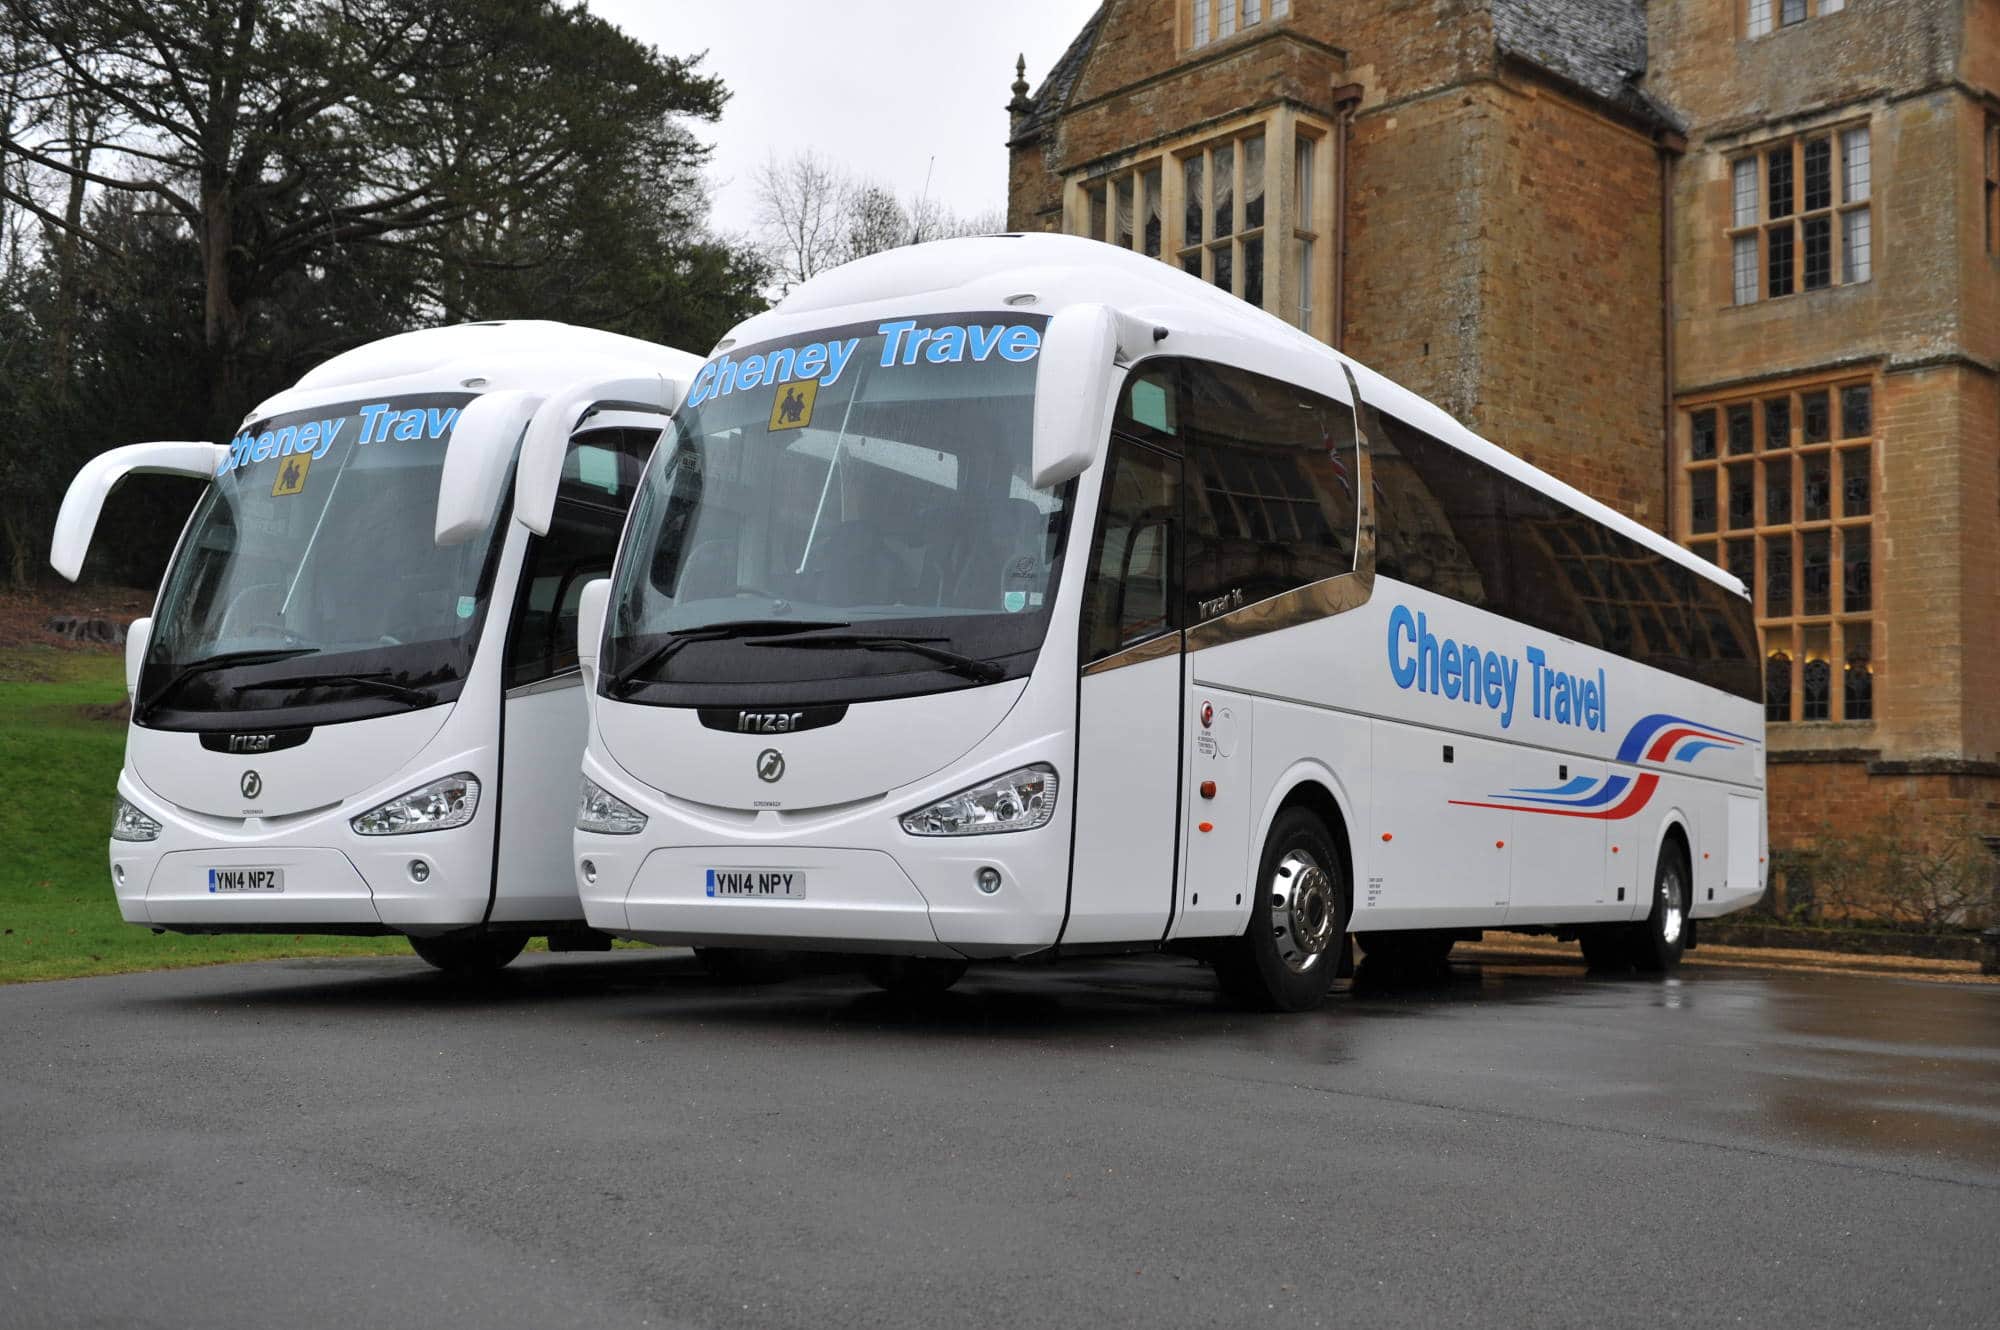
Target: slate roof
1597,45
1052,98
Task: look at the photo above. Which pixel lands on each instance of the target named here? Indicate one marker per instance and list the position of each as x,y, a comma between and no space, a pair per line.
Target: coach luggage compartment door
1128,759
1560,875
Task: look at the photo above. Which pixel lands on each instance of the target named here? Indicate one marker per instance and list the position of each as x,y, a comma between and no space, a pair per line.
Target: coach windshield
308,588
843,515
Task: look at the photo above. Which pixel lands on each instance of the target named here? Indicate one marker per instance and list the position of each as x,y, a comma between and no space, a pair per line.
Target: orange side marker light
1205,826
1499,844
1387,837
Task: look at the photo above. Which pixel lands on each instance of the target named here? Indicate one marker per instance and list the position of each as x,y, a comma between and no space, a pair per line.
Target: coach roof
531,354
1043,273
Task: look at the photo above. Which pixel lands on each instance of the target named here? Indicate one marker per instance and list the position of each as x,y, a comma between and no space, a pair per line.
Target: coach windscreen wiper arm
227,660
972,667
379,683
620,682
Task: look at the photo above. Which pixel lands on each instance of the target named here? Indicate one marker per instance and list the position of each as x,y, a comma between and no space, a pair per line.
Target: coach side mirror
137,638
590,608
83,503
547,443
1075,388
476,462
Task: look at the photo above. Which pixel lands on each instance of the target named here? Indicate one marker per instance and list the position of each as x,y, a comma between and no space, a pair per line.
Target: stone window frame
1761,18
1227,259
1205,22
1724,439
1094,197
1137,189
1310,228
1754,233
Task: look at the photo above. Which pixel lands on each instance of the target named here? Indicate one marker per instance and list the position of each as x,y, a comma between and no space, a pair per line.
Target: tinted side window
1271,475
603,466
598,476
1726,645
1452,524
1437,516
1149,408
1131,590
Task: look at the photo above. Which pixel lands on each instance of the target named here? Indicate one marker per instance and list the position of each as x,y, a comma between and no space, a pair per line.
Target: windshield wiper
377,682
222,662
620,682
972,667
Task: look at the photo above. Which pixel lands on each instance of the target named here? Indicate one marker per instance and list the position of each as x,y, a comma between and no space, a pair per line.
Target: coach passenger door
1129,698
544,722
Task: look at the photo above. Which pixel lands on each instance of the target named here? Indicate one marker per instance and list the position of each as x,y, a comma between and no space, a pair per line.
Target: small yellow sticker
291,475
792,408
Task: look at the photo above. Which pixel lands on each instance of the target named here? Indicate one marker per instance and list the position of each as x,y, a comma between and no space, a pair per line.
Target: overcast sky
881,86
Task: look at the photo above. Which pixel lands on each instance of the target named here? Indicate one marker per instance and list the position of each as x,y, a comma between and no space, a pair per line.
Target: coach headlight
128,823
1021,800
598,809
438,806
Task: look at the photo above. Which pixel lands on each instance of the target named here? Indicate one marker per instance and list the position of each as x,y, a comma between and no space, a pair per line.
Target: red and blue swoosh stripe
1657,738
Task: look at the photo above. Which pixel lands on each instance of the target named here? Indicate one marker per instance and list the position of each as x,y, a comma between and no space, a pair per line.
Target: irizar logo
252,785
251,743
770,766
768,722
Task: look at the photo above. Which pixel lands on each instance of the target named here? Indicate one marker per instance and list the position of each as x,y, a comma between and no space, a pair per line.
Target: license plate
765,883
226,881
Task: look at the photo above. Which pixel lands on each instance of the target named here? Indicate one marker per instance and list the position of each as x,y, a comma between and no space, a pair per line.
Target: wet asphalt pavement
618,1141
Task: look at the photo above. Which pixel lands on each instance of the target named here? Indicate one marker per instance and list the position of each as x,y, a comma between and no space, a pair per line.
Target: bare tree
813,214
803,204
933,220
875,222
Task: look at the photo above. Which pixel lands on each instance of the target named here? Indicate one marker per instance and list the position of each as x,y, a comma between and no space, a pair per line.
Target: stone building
1732,266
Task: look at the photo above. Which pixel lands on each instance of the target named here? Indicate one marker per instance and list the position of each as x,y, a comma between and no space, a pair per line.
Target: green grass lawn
62,738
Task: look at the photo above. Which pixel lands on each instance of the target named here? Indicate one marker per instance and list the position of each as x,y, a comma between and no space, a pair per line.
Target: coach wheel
1287,955
1657,944
913,976
470,953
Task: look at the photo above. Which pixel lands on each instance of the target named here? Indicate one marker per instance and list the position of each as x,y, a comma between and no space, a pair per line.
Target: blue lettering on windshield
380,422
904,342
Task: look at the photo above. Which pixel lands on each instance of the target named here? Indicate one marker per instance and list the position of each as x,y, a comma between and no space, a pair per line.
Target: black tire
1656,945
1286,958
746,965
913,976
470,953
1408,949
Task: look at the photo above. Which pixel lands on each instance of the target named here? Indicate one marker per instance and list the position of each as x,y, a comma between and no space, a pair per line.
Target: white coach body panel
276,793
879,746
1484,772
326,770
